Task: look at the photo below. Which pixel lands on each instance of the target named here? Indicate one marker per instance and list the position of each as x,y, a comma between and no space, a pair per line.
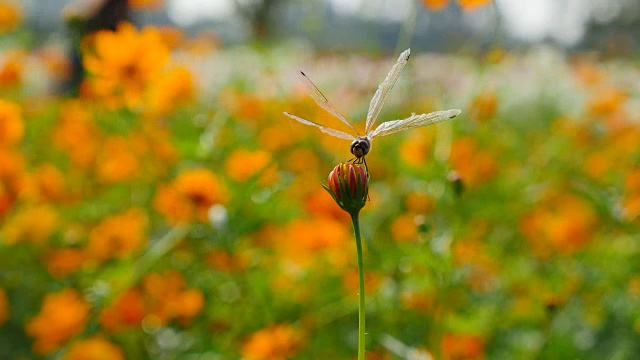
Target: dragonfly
361,144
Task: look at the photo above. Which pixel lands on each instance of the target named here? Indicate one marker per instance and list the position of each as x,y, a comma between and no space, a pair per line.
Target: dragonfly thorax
360,147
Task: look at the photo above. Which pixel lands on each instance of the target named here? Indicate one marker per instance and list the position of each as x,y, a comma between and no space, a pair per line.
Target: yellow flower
94,348
10,16
118,236
190,196
278,342
11,68
123,63
11,125
63,315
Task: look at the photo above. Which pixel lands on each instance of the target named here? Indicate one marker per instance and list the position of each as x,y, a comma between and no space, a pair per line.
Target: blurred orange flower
242,164
462,347
472,164
123,63
167,297
607,100
631,202
435,5
146,4
11,124
76,134
4,307
467,5
470,5
483,106
190,196
277,342
404,228
10,16
34,224
563,223
63,315
116,160
128,309
94,348
11,68
118,236
62,262
170,90
303,242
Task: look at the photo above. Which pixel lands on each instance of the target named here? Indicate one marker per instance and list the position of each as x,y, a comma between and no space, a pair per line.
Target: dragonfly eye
360,148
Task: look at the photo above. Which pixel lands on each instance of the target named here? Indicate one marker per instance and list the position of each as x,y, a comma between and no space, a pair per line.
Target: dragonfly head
360,147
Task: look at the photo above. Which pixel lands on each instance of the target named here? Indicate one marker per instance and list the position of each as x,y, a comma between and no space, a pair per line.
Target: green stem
361,308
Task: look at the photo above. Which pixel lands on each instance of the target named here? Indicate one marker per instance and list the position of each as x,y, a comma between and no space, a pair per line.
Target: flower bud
348,184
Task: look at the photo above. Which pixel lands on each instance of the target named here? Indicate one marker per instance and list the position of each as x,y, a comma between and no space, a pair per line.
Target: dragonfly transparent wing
323,102
413,121
324,129
383,90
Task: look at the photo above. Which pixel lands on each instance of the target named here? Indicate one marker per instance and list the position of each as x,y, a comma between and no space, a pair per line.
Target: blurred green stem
361,308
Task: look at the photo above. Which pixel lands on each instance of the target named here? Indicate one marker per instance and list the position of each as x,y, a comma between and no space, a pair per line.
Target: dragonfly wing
413,121
383,90
323,102
324,129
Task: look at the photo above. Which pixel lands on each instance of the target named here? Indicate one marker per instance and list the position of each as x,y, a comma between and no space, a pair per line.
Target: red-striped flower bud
348,184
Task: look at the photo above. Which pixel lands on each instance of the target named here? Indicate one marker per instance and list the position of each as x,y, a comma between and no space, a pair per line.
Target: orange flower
243,164
168,298
76,134
63,315
190,196
146,4
472,164
278,342
483,106
123,64
10,16
470,5
4,307
308,240
128,309
118,236
565,224
415,150
351,285
169,91
435,5
116,161
34,224
632,194
404,228
607,100
12,68
11,125
466,5
462,347
94,348
62,262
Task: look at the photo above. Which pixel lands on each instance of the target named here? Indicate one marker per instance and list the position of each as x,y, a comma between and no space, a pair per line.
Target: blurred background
155,203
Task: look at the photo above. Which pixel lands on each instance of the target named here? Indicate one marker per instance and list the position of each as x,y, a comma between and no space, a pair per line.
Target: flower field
170,210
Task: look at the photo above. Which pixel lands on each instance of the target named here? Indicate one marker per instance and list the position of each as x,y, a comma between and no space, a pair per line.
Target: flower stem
361,308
